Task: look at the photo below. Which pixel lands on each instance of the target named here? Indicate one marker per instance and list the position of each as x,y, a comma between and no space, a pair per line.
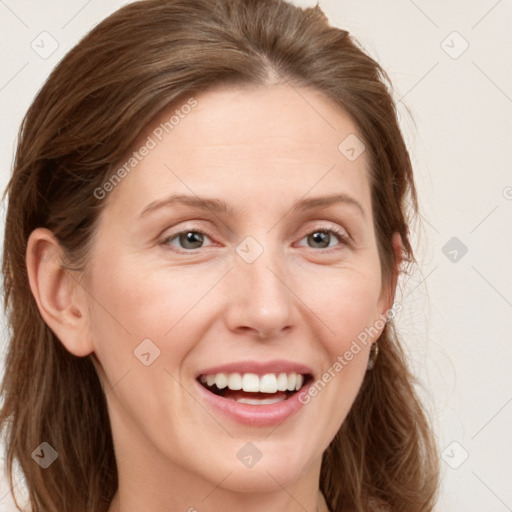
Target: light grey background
456,113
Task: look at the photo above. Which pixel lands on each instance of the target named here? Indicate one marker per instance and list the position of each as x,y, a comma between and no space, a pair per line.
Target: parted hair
146,56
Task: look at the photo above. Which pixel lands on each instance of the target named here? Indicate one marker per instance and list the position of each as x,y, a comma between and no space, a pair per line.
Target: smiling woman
213,329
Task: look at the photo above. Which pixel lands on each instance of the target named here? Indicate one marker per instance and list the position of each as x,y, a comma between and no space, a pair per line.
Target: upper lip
258,367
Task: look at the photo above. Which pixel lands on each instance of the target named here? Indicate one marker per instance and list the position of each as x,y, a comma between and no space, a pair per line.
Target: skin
260,149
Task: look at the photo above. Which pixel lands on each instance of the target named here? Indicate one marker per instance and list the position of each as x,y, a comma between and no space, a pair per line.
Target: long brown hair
147,55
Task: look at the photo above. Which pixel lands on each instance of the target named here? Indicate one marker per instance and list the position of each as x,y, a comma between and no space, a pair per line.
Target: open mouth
253,389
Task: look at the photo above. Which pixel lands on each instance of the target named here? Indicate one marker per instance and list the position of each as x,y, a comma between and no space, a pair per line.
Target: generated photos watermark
344,359
152,141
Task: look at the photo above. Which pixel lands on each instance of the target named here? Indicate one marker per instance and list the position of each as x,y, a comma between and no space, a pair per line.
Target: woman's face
255,281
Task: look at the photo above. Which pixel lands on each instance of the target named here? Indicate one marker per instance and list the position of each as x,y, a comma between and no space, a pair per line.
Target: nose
261,301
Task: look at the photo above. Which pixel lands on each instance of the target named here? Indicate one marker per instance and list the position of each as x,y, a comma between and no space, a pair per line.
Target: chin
265,469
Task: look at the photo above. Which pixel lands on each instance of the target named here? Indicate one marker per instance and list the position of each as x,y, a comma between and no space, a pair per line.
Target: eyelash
342,236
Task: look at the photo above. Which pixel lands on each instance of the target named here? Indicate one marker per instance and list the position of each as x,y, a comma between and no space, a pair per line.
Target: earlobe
57,293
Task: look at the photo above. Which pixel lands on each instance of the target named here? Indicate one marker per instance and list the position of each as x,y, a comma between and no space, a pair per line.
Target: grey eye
320,239
191,239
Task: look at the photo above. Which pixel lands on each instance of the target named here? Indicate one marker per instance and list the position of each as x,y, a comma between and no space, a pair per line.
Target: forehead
278,116
259,141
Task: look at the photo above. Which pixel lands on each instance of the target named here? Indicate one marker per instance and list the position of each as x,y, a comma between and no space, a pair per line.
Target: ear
59,296
388,292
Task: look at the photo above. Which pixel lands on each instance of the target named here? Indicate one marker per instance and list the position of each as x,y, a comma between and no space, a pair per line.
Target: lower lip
254,415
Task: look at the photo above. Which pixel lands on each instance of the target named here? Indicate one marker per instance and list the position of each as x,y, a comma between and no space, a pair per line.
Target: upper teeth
268,383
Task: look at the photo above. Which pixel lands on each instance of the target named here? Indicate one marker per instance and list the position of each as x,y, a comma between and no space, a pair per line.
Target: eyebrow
219,206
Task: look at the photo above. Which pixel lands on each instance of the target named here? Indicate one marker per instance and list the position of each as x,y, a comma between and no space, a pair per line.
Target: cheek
132,304
143,331
349,309
346,301
141,303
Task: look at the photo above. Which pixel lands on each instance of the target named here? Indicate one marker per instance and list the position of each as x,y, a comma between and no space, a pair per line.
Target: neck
321,505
